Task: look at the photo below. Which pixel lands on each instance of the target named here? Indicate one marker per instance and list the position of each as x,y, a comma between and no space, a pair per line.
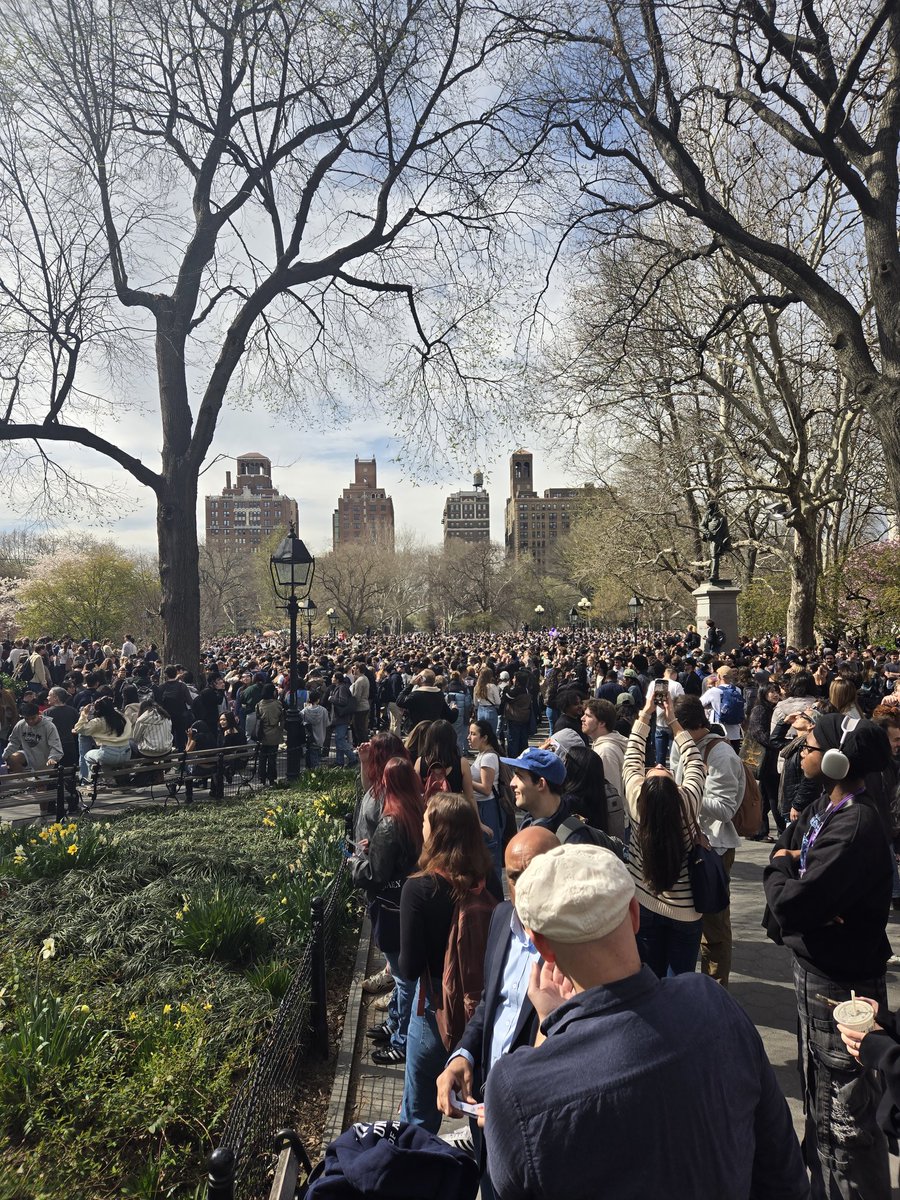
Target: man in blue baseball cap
537,783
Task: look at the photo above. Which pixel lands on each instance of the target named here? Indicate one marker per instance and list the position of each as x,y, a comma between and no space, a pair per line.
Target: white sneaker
381,1004
382,982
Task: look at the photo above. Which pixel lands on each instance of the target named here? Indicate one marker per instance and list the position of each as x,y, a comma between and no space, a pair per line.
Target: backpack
462,981
748,818
732,709
24,671
608,841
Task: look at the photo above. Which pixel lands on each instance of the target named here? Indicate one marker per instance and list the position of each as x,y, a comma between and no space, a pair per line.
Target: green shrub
136,1089
222,921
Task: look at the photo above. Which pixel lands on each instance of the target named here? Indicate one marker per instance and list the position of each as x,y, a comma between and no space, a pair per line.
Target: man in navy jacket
636,1087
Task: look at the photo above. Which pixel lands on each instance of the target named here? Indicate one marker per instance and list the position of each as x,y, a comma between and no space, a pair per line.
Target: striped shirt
678,902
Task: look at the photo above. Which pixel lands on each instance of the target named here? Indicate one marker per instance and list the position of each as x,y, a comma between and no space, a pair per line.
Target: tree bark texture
801,613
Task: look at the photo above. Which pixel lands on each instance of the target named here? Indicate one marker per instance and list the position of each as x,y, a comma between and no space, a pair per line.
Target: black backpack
608,841
24,671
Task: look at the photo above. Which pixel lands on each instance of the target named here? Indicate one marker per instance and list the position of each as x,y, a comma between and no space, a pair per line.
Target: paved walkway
760,981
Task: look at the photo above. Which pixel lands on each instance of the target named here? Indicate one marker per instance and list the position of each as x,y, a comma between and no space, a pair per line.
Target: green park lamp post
539,616
584,608
331,614
292,568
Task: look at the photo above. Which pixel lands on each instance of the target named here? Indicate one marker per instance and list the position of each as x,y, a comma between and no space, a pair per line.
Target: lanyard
816,825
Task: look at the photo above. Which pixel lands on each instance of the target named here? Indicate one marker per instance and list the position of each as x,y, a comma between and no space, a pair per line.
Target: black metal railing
242,1164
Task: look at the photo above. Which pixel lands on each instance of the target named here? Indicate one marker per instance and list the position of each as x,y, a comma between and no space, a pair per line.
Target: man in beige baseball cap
636,1086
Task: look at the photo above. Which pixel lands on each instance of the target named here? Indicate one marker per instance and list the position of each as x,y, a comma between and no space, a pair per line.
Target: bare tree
751,411
686,107
236,190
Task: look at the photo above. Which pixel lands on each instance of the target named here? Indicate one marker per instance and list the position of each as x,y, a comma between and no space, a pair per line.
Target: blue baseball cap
539,762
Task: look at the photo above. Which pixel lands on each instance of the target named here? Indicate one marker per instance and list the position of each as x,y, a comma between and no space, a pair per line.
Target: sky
311,465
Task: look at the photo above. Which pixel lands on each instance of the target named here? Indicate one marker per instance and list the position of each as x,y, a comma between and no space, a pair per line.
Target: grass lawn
142,961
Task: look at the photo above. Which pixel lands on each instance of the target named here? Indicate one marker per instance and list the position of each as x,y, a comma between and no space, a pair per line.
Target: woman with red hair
380,868
373,757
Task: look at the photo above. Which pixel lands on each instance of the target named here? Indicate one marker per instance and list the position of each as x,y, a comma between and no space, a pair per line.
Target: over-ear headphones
835,763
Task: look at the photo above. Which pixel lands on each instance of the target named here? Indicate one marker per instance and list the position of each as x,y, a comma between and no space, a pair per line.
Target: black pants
267,769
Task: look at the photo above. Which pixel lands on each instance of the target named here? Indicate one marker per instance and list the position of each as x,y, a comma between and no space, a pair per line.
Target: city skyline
311,465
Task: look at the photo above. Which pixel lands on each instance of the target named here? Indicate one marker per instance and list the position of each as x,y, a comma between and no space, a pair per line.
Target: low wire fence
242,1165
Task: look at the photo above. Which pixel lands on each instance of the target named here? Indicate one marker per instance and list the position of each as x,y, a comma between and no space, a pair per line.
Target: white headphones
835,763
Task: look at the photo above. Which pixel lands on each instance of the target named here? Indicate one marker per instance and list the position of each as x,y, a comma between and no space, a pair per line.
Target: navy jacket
643,1088
477,1036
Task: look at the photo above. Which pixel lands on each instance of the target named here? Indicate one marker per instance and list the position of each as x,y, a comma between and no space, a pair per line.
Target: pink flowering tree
871,591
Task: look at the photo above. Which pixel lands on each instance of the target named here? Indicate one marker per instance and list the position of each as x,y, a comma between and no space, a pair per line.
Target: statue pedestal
718,602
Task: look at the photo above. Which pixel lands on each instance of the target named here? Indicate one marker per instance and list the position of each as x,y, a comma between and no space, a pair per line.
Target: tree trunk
801,613
179,570
884,405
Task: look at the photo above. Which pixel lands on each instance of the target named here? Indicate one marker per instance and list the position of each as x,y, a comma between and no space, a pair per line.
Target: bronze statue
714,529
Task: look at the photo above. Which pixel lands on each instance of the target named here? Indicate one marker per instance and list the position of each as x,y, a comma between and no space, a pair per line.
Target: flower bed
143,958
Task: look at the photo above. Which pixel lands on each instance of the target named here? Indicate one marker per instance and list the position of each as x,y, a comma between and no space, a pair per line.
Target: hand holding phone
471,1110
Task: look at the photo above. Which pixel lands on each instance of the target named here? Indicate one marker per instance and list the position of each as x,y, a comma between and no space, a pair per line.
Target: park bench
54,789
175,776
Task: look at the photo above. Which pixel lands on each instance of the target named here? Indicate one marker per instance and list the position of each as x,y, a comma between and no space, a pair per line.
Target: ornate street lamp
584,607
539,615
331,614
310,608
292,568
573,617
635,604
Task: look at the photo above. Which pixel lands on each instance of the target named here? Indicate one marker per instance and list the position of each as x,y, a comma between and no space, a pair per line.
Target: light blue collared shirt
513,991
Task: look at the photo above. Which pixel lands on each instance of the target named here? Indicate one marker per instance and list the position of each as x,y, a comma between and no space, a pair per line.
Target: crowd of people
604,778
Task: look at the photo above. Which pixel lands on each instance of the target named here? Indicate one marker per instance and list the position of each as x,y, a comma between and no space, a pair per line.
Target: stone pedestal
718,602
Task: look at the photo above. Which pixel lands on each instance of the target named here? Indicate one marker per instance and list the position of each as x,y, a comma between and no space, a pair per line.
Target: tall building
251,511
365,512
534,523
467,515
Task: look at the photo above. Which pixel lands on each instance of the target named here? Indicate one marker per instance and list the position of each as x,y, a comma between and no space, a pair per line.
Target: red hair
382,747
403,799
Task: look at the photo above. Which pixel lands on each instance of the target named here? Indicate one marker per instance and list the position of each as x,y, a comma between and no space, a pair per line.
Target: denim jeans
487,712
845,1150
667,946
426,1057
663,740
516,738
343,751
401,1002
107,756
84,744
313,756
552,714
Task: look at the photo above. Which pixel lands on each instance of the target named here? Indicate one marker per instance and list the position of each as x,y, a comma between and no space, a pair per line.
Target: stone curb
353,1018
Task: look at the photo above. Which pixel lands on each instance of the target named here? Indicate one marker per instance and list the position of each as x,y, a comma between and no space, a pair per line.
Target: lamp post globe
539,615
292,567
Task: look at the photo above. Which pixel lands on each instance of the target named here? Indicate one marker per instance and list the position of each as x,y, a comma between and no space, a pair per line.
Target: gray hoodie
37,742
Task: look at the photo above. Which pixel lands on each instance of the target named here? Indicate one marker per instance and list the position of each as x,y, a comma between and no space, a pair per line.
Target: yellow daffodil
132,1016
185,1008
260,920
48,949
73,849
167,1008
284,899
84,1009
207,1006
179,916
